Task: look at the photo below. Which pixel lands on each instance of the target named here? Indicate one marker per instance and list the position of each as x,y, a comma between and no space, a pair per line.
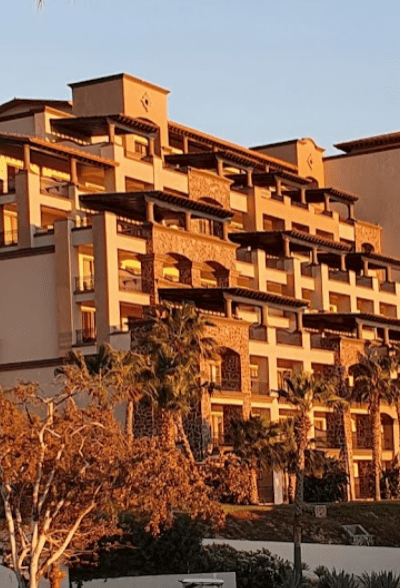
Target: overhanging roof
214,298
64,105
262,158
369,143
354,261
209,159
133,204
92,126
269,178
56,149
272,241
348,321
314,195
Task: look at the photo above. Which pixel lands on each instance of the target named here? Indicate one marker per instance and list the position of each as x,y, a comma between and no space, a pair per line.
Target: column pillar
343,263
365,267
188,221
74,171
64,285
299,321
228,307
386,335
152,146
327,203
249,177
27,157
351,212
303,196
111,133
185,142
150,211
314,256
286,247
278,185
264,316
225,231
359,330
388,273
220,167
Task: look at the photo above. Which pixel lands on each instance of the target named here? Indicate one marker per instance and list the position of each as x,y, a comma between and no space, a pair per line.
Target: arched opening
214,275
231,370
206,226
387,432
177,268
367,248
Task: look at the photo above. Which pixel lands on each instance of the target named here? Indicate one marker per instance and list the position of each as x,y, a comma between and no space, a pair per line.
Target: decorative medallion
310,161
146,102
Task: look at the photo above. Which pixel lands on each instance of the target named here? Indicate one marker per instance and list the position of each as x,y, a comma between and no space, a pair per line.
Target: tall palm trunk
302,432
56,576
167,429
183,437
375,415
254,495
129,418
291,487
347,449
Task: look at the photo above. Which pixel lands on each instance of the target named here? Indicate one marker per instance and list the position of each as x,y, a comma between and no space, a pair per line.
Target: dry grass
274,523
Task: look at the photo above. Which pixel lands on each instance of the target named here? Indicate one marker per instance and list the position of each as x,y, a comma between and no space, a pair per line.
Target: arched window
177,268
231,370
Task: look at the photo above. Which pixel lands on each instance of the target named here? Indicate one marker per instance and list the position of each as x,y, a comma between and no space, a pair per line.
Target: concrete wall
376,178
165,581
28,310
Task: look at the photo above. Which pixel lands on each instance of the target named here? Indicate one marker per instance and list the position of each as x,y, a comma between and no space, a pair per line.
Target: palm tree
343,408
376,380
175,345
260,444
302,391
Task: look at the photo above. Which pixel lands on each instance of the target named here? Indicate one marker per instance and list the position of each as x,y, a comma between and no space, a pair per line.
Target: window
324,235
283,374
215,373
301,228
272,223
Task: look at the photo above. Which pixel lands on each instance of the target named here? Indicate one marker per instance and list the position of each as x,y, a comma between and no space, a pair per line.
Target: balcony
275,263
306,270
260,387
86,336
130,281
8,238
258,333
52,187
285,337
364,281
325,439
222,440
243,255
84,284
140,231
339,276
364,442
387,287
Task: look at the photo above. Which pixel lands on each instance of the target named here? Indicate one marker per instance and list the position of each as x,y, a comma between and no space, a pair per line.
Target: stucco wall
375,177
28,313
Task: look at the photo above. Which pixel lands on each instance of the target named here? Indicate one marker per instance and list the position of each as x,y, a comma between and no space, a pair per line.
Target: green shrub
334,579
380,580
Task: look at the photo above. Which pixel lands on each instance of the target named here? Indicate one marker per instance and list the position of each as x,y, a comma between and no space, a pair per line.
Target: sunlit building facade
107,207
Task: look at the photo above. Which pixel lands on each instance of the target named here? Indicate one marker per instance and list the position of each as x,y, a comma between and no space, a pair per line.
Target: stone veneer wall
203,184
368,233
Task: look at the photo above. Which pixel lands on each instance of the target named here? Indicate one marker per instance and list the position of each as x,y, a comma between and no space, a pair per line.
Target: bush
334,579
380,580
254,569
329,484
229,477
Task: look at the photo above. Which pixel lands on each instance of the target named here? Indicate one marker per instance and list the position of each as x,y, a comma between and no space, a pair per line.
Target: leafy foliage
325,481
379,580
334,579
229,478
67,470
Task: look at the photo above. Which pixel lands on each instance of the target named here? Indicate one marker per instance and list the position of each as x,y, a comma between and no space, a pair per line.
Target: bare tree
66,472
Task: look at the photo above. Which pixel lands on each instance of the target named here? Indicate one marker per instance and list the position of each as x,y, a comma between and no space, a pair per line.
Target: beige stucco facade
107,206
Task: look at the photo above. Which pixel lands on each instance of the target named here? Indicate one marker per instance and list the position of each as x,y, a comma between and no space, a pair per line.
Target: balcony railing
284,337
8,238
362,442
275,263
140,231
387,287
364,281
84,284
306,270
339,276
86,336
258,333
131,282
52,187
260,387
243,255
222,440
326,439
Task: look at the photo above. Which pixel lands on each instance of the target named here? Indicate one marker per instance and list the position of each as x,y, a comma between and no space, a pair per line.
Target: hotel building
107,207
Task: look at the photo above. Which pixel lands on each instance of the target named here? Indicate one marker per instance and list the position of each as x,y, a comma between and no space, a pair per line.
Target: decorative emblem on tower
310,161
146,102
